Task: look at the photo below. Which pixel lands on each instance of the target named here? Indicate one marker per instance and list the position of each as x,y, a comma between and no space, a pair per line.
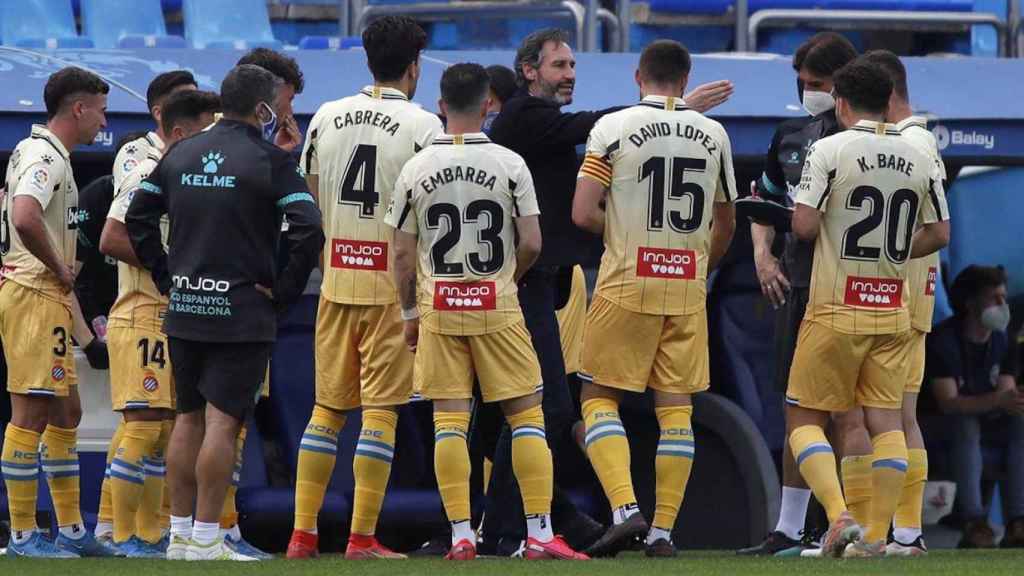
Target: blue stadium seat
134,41
237,24
40,24
330,42
106,22
719,7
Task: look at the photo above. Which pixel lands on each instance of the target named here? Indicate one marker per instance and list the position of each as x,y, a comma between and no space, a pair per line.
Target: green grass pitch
952,562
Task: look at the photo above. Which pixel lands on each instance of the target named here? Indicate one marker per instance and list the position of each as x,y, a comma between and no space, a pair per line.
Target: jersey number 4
901,209
489,235
361,191
655,169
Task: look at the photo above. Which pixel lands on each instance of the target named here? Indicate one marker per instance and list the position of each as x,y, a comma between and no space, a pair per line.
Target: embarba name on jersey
469,174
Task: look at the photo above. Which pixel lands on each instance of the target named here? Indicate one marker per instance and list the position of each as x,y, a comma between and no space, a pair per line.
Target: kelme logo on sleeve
211,163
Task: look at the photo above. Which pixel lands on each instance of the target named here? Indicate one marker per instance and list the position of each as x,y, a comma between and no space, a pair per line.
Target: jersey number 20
655,168
901,210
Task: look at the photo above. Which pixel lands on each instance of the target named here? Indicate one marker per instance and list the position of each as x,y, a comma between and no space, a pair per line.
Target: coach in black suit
533,125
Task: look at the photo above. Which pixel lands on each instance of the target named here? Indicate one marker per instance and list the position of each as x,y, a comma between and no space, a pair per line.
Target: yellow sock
531,460
106,512
148,517
857,486
451,463
608,450
817,465
888,469
488,466
371,467
673,463
229,513
317,452
20,466
128,475
59,458
908,512
165,500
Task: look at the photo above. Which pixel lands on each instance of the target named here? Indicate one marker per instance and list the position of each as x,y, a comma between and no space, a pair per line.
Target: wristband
410,314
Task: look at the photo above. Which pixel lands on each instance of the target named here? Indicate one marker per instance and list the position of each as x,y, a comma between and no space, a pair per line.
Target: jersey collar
155,140
383,93
41,132
919,121
880,128
669,103
462,139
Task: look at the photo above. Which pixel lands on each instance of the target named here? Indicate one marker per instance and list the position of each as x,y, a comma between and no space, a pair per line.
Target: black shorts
787,328
228,375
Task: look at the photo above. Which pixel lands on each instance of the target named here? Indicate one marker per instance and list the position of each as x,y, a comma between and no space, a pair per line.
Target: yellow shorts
36,333
265,390
915,363
834,372
504,362
361,356
630,351
140,369
571,319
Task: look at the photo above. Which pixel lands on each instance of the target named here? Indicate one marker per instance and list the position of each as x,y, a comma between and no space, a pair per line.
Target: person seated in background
971,368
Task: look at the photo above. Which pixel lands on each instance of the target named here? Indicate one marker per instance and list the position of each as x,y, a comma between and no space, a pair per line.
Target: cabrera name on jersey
356,147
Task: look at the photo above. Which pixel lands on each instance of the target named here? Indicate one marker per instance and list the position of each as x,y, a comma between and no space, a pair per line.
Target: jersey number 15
655,169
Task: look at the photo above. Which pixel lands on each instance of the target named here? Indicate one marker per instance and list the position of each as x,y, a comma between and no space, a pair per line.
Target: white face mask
817,102
996,317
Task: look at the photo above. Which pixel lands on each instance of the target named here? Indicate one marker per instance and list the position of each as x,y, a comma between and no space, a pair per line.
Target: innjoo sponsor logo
666,263
884,293
359,255
929,286
465,296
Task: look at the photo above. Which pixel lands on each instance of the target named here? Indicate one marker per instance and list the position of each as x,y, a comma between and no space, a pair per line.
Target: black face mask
800,89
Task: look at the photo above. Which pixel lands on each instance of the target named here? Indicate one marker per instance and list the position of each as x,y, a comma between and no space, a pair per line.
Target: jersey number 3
655,169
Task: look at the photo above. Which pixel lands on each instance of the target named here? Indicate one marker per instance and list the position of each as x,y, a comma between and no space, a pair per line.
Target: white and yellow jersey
40,167
356,147
665,166
139,302
134,153
922,273
875,187
461,196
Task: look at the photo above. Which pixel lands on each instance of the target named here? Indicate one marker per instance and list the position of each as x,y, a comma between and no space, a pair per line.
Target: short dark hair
890,62
664,62
392,44
187,106
67,83
245,87
864,85
971,281
464,86
824,54
503,81
284,67
163,85
533,46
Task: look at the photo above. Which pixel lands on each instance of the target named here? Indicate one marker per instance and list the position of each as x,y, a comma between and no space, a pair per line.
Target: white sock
181,526
620,515
658,534
22,536
793,514
74,531
233,533
462,530
906,535
205,533
103,529
538,527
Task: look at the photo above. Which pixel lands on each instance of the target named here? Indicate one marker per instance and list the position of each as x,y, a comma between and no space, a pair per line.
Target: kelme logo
212,161
210,178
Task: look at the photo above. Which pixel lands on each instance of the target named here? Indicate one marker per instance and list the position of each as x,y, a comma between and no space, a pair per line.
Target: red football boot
367,548
464,550
302,545
555,549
